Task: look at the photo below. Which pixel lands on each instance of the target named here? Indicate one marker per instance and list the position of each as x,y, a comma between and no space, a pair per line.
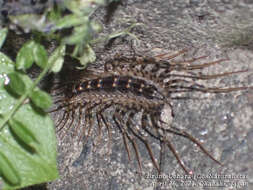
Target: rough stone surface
222,122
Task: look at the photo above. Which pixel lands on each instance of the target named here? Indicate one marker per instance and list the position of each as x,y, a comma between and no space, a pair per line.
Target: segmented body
134,86
123,84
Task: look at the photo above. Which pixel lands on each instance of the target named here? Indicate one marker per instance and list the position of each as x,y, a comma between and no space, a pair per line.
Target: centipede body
136,85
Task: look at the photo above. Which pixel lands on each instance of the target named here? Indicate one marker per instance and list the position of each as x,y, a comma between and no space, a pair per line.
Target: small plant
27,137
28,153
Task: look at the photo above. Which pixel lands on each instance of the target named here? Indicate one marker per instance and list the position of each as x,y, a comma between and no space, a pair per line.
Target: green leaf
70,21
41,99
31,22
16,84
5,60
25,57
56,59
40,55
23,133
54,14
81,34
88,56
32,168
57,65
3,34
96,27
8,171
80,7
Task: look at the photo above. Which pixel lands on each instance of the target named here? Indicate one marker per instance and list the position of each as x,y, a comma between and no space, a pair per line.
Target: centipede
135,85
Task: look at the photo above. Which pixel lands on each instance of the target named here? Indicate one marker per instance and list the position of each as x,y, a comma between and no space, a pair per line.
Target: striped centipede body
137,85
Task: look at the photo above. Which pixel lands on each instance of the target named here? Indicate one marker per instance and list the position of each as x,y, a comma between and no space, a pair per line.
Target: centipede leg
134,144
87,124
206,77
95,144
80,112
145,126
171,82
65,115
210,90
163,56
146,143
168,143
109,132
126,145
189,61
201,66
101,120
224,90
71,122
135,147
116,118
58,108
59,89
88,121
59,126
172,149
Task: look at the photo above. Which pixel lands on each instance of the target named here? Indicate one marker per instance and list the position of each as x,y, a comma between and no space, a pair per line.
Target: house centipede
136,85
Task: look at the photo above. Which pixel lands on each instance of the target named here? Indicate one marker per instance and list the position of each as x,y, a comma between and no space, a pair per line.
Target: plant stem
20,101
116,34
